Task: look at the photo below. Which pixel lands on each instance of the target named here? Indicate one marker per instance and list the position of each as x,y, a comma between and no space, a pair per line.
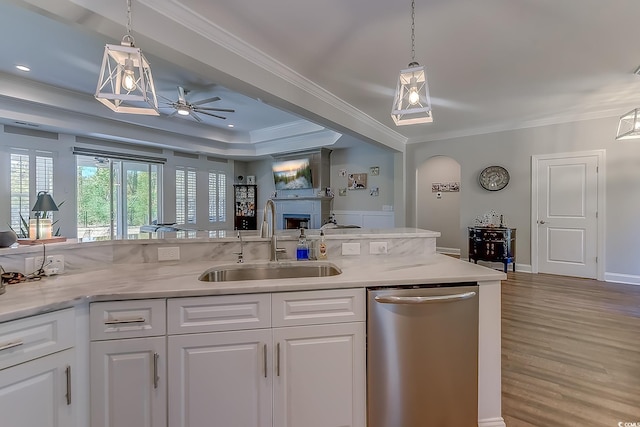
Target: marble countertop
176,279
193,236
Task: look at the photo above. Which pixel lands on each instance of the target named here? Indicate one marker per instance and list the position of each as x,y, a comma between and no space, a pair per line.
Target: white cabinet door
320,376
220,379
128,383
38,393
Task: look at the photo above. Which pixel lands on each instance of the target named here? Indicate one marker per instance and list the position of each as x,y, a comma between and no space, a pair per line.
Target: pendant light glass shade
411,104
629,125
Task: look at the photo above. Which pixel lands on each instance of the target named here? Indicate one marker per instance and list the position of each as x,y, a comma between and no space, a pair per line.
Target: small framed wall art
357,181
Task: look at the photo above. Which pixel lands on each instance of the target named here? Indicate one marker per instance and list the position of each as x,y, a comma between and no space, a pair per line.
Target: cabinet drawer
218,313
127,319
26,339
318,307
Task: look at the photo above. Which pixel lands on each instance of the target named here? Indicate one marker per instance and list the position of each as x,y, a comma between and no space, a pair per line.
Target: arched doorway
438,201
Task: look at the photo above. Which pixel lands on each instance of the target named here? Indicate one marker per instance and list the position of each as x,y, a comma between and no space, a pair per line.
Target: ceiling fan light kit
125,84
411,103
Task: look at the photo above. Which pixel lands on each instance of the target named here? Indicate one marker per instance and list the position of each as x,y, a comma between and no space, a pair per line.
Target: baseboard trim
524,268
448,251
492,422
629,279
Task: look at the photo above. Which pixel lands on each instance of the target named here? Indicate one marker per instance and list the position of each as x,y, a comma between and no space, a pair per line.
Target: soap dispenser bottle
302,251
322,247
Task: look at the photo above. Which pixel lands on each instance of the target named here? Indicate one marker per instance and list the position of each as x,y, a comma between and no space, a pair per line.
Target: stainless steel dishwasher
422,356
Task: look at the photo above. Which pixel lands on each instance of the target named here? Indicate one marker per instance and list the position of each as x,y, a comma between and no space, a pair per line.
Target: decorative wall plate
494,178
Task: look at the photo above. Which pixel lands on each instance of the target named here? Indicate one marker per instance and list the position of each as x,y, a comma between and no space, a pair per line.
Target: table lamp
44,203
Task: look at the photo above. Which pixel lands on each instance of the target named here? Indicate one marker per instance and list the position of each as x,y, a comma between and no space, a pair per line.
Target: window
116,197
31,172
185,195
217,197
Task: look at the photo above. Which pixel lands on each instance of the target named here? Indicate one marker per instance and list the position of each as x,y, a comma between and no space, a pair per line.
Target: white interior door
566,214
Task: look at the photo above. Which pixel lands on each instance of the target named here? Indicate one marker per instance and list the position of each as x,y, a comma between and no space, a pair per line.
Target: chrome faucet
241,253
269,231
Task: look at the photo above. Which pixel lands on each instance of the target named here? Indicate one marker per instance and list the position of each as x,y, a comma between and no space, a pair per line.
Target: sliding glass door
116,197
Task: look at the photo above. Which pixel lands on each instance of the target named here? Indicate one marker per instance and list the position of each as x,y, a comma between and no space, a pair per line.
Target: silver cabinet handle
11,344
390,299
156,378
264,356
125,321
68,375
278,359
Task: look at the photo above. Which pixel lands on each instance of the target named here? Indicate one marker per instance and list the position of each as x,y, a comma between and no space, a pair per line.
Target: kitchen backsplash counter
218,246
180,279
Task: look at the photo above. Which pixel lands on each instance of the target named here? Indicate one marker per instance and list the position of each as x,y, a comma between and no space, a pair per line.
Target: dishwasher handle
391,299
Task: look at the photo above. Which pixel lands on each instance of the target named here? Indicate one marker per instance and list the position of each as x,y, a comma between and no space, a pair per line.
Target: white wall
513,150
439,212
359,160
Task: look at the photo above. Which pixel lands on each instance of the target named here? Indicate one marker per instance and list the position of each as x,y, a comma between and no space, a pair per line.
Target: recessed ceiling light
230,125
23,68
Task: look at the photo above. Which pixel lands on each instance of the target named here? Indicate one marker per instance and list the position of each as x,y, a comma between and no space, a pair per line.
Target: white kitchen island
132,273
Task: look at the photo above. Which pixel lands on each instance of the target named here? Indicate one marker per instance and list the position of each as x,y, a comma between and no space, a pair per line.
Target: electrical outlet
57,263
351,249
377,248
54,264
169,254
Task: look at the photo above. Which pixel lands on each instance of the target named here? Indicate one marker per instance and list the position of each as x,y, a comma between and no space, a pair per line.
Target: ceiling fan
186,108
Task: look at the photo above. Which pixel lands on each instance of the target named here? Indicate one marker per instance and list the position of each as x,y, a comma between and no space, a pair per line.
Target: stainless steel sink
277,270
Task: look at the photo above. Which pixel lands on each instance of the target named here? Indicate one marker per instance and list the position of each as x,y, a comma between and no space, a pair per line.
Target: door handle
390,299
264,356
541,221
125,321
67,373
156,377
11,344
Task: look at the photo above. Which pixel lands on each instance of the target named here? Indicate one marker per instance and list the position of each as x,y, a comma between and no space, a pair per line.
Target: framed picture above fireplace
292,174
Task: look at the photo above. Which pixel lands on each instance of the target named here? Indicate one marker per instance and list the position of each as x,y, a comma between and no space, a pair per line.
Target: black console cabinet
245,207
496,244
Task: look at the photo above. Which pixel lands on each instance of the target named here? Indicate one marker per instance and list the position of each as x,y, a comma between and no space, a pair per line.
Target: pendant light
126,84
411,104
629,124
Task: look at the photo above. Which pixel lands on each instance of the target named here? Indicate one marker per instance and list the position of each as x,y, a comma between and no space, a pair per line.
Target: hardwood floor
570,352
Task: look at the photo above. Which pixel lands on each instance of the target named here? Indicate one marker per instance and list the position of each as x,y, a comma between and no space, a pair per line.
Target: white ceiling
300,73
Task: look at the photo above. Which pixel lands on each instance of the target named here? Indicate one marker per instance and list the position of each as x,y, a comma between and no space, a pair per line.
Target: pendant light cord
128,38
413,31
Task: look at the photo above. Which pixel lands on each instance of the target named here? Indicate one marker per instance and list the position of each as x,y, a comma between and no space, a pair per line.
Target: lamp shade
126,84
629,125
44,203
411,104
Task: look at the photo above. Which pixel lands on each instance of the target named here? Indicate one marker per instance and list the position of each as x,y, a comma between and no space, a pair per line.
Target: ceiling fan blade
224,110
195,116
169,101
205,101
212,115
181,93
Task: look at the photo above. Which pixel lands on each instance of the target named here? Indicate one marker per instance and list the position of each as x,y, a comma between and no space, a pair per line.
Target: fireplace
295,221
